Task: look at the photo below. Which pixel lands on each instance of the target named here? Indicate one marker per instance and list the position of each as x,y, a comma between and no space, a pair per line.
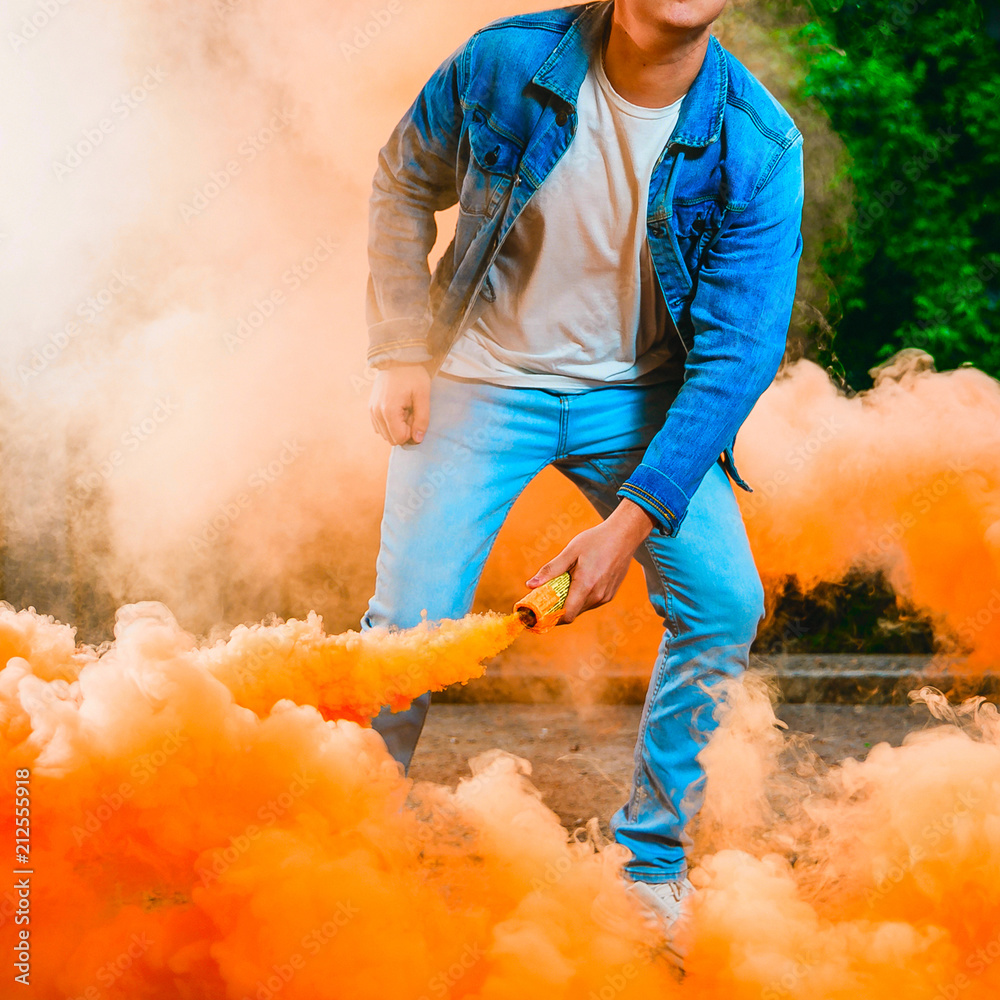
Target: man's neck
649,67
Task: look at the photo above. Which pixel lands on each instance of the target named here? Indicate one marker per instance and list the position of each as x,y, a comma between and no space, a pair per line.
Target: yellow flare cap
542,607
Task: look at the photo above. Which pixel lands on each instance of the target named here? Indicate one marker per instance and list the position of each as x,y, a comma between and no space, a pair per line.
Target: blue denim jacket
722,222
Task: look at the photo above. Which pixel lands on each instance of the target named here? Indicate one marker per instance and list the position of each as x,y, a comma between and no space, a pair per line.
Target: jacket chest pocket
492,160
695,228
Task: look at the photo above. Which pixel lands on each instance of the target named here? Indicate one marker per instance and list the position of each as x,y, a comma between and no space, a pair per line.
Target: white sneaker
663,900
659,907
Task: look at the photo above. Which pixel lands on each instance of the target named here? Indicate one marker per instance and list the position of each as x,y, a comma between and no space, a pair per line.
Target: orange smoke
905,477
183,845
218,853
350,676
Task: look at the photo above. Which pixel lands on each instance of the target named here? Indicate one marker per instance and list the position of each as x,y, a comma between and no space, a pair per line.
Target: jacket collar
700,120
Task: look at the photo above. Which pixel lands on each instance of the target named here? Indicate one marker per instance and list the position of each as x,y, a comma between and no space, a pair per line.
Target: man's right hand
400,403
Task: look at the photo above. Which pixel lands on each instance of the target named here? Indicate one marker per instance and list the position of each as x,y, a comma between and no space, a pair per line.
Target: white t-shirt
576,298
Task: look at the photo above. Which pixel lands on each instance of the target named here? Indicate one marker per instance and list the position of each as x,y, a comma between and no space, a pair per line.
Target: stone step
799,678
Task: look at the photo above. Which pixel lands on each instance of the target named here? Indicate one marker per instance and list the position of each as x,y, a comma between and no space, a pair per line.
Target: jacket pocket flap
492,150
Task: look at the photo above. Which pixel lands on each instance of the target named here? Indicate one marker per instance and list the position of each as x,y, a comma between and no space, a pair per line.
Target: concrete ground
582,757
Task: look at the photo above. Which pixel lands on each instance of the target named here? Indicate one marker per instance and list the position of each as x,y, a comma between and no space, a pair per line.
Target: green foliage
913,89
859,614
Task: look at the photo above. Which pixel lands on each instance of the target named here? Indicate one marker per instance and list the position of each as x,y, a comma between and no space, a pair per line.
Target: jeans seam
656,680
672,629
563,428
669,603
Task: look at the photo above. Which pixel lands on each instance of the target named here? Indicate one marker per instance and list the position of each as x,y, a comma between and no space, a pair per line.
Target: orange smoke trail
347,676
350,676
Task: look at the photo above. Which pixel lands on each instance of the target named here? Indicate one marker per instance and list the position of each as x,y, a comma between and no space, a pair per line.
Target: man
614,301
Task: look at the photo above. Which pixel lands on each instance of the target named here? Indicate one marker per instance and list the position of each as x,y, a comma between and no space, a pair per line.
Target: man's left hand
597,559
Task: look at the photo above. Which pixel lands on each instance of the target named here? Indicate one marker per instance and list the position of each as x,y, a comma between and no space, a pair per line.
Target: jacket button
491,157
561,118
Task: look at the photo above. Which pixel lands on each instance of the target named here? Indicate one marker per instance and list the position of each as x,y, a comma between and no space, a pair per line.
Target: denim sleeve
740,314
416,177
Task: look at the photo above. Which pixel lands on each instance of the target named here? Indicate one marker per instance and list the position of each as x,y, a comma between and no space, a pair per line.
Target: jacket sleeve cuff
401,352
401,340
658,495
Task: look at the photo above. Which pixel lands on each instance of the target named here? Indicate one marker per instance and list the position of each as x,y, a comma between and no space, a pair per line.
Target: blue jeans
446,500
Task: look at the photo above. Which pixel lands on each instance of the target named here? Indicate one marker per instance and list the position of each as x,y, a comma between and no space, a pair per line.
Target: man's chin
678,15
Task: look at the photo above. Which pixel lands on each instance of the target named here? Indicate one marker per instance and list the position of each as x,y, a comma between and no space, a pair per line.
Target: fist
400,405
